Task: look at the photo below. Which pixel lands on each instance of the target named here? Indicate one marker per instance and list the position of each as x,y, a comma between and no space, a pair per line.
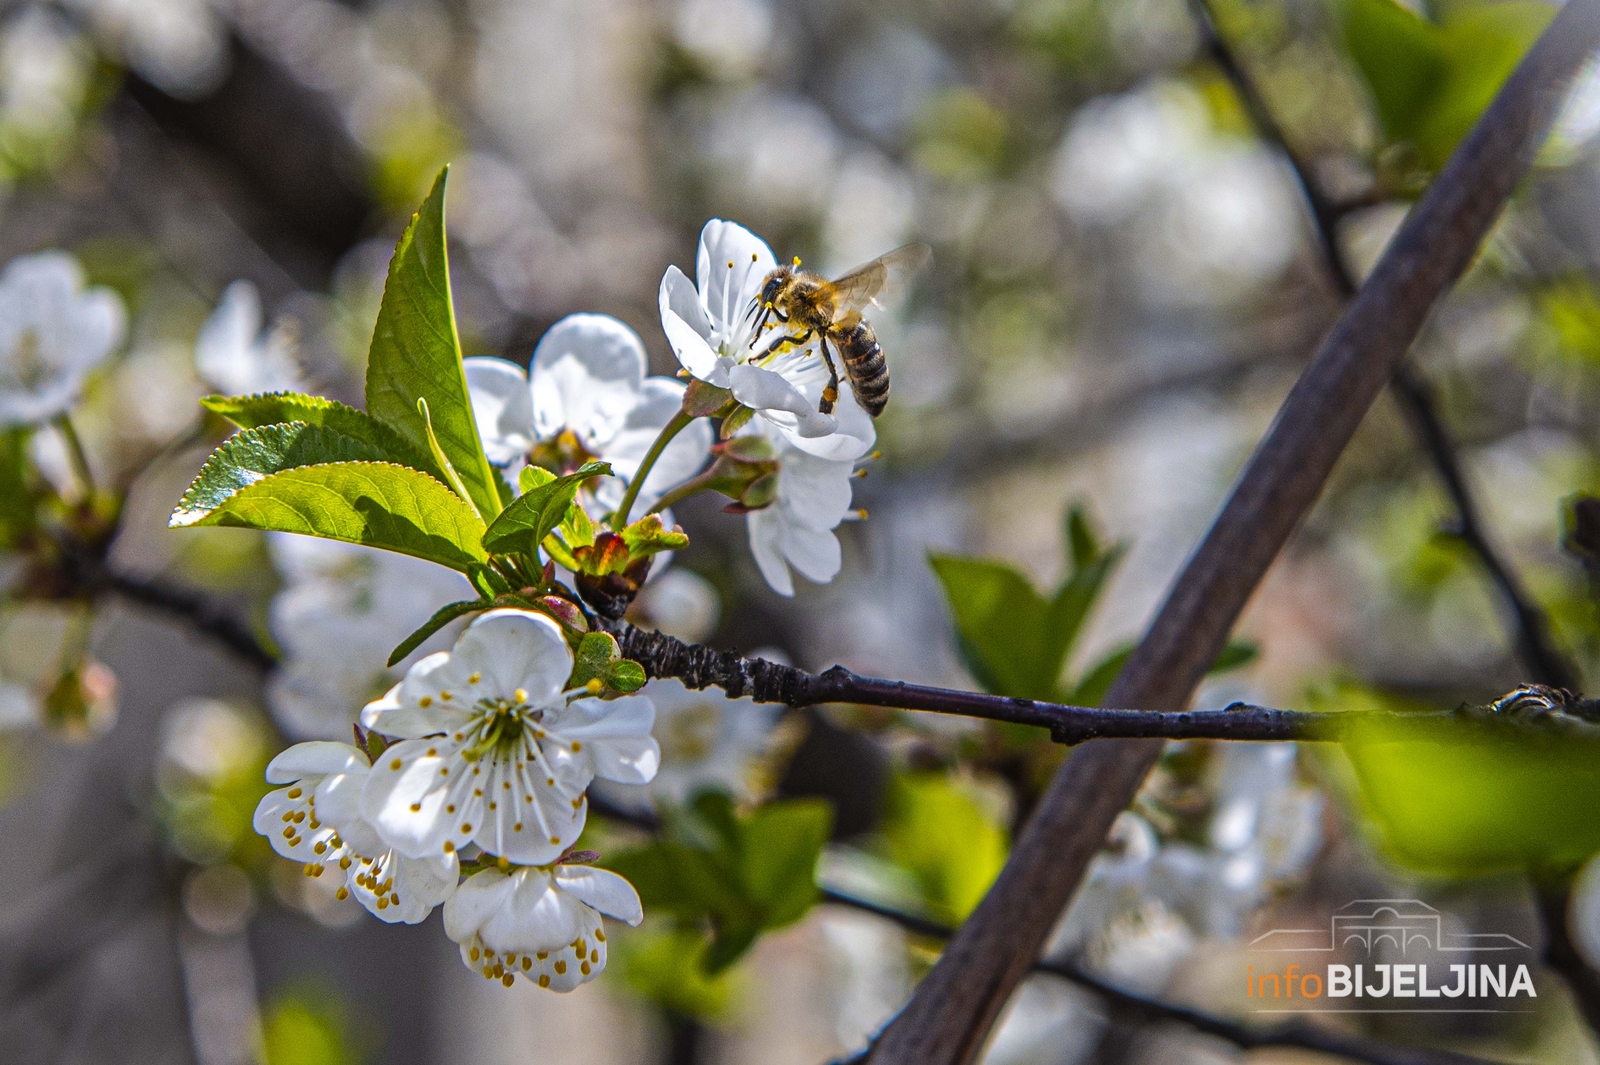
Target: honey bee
808,305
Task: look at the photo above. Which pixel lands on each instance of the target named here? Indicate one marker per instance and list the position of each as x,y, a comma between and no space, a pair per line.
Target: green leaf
1431,81
1237,654
1091,689
378,504
738,875
18,515
662,966
1083,547
416,354
1489,793
938,830
442,617
248,456
271,408
538,510
1003,626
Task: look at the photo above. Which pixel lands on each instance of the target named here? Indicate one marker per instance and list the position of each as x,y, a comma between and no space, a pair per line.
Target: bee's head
774,285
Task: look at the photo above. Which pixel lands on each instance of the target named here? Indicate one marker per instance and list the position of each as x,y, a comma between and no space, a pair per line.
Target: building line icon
1403,923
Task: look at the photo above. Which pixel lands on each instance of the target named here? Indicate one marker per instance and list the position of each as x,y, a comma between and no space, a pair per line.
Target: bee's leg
830,394
780,341
761,322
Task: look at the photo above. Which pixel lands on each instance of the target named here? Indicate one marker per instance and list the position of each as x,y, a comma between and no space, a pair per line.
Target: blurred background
1126,282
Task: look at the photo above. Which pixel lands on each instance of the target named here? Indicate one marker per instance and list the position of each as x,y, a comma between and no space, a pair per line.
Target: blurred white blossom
233,356
796,529
53,331
342,610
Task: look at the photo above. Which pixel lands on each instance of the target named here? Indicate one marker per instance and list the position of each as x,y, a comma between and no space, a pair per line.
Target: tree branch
1543,662
953,1008
1298,1035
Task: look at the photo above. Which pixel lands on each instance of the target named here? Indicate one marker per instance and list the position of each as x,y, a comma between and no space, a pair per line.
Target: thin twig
955,1005
1540,657
1120,1001
769,682
199,612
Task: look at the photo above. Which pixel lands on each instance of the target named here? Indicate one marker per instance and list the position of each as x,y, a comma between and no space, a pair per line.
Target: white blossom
587,397
494,750
233,356
342,610
707,740
710,324
317,820
541,922
53,331
796,529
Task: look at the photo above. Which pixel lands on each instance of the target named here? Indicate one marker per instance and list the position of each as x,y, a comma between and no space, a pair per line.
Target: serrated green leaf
538,510
248,456
271,408
377,504
416,354
441,617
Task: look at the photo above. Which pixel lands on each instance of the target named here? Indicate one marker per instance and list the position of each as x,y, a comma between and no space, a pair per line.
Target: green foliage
939,830
663,966
18,498
1430,81
1014,640
649,536
308,1027
271,408
377,504
1485,793
416,354
543,506
247,457
599,658
441,617
962,136
739,874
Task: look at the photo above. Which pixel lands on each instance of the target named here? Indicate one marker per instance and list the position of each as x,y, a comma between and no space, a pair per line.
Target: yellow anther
508,979
797,260
288,833
295,793
416,807
544,981
300,816
449,848
555,841
344,863
561,968
432,751
475,954
466,827
730,264
383,904
584,968
475,678
450,809
594,687
577,746
521,695
342,894
542,955
600,935
288,817
527,963
446,696
503,863
320,847
517,827
425,702
395,765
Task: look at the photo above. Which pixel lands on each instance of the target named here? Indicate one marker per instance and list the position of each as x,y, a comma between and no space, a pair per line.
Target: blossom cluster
478,762
586,396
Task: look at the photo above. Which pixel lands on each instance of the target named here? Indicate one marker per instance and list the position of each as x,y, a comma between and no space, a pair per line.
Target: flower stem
679,422
76,454
693,486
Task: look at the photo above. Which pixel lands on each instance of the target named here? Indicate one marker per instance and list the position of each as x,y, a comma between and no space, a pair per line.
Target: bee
808,305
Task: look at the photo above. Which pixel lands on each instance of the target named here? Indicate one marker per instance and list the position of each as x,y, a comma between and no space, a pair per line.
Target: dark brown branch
955,1005
1543,662
1118,1001
768,682
199,612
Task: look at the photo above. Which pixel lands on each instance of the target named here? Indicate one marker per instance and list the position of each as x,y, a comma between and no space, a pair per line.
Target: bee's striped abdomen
864,364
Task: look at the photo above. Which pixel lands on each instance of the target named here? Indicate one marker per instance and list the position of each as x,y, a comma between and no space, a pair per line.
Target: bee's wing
883,278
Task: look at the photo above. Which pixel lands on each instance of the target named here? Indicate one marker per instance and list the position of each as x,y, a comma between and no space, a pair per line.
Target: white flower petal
661,399
764,390
314,758
729,268
513,650
338,803
679,298
692,350
765,529
814,552
287,823
533,820
415,886
615,735
475,901
419,797
417,707
502,405
586,375
814,493
601,888
536,917
853,436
